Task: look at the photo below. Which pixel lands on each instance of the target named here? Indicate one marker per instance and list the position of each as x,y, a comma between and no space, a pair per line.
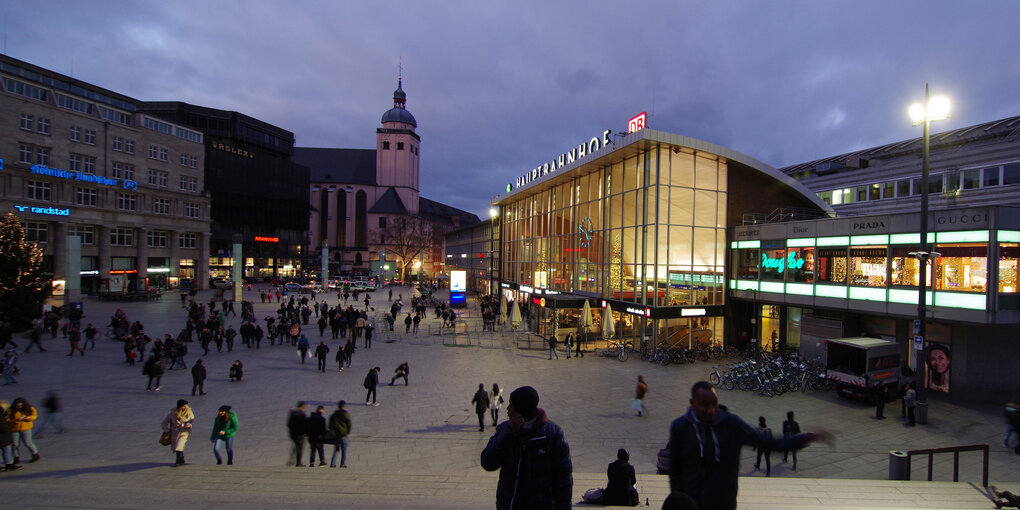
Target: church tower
396,160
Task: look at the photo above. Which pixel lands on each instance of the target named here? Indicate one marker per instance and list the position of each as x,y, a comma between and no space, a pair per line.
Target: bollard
899,465
921,412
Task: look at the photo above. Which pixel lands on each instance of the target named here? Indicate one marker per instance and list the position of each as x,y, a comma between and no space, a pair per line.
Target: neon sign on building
80,176
584,149
781,264
637,122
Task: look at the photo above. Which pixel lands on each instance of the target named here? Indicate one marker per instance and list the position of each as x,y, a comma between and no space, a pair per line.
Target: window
193,162
862,193
382,222
42,155
934,184
159,127
156,239
89,164
867,266
400,146
905,269
75,134
826,197
85,232
43,126
386,145
191,209
24,153
74,162
86,196
127,201
832,267
73,104
164,154
189,183
157,178
1009,279
90,136
161,206
118,144
188,240
962,267
122,237
773,261
903,188
889,190
24,89
153,151
972,178
116,170
875,192
746,264
129,172
129,146
38,190
1011,173
801,265
26,122
37,232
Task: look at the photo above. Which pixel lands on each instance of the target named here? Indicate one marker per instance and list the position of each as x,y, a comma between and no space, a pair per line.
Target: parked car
292,287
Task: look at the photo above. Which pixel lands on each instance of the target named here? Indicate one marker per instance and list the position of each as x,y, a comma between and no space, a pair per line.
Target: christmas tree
23,286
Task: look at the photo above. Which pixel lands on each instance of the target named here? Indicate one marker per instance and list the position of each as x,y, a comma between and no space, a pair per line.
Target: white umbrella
608,328
586,319
502,310
515,315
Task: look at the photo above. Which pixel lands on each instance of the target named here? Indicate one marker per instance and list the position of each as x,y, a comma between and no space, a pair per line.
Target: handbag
164,439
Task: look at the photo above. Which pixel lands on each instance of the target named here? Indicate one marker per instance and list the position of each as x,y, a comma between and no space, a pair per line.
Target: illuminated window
962,267
1009,282
802,267
905,268
867,266
832,264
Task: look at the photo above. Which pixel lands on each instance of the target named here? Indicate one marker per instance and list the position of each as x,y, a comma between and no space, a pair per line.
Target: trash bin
899,465
921,413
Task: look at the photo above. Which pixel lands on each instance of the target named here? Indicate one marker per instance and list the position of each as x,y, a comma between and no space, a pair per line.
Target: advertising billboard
458,281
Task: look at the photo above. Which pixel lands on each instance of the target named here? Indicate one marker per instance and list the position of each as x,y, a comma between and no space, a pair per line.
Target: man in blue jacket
532,457
704,448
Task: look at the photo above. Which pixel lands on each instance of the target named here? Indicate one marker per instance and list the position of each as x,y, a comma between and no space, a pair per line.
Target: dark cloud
501,87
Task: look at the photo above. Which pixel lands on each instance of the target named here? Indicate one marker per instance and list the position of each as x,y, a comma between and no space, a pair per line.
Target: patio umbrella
502,310
608,327
515,315
586,320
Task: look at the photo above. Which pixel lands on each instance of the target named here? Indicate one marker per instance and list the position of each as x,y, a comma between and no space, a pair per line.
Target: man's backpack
368,381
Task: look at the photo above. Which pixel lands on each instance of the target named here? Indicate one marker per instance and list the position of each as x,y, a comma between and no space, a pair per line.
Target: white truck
856,366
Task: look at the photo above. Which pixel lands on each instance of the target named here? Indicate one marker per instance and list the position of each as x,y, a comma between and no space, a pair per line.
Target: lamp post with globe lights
934,108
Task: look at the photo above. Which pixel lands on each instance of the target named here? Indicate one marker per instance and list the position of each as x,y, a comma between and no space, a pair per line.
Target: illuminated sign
458,281
123,271
89,272
647,312
779,265
637,122
525,288
263,239
79,176
692,312
584,149
233,150
152,270
53,211
1,163
585,230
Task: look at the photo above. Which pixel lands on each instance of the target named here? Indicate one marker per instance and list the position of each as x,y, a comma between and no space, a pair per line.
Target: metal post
923,254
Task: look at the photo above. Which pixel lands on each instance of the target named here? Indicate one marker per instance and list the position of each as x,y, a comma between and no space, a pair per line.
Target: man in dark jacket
371,382
198,378
339,429
705,447
320,353
297,424
532,457
620,490
481,402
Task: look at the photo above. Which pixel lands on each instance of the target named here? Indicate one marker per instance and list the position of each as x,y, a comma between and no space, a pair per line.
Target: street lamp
493,213
934,108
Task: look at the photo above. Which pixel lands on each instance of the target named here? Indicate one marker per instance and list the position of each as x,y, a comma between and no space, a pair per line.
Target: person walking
90,336
407,324
6,440
790,428
495,403
704,449
320,354
568,344
302,347
20,419
74,337
532,456
53,407
339,429
236,371
481,402
315,432
369,329
401,372
765,431
910,400
639,395
35,335
371,382
552,347
198,378
223,431
153,368
297,423
178,423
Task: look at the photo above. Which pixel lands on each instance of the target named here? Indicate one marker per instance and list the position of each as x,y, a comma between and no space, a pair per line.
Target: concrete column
202,265
58,241
103,242
175,253
142,258
72,270
238,257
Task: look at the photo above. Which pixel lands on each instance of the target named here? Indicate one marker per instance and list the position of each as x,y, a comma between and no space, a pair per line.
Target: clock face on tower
585,232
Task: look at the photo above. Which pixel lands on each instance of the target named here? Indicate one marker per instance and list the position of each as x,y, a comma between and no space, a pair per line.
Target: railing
955,450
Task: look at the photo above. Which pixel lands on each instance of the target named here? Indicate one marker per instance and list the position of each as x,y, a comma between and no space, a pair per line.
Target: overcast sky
499,87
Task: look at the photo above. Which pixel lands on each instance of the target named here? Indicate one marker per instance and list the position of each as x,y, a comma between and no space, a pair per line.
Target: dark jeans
199,385
910,415
297,452
481,420
371,395
313,448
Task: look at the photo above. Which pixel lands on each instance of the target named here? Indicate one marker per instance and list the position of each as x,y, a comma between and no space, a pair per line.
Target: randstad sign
584,149
780,264
53,211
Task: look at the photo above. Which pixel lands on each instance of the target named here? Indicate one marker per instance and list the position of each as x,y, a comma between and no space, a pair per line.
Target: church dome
398,113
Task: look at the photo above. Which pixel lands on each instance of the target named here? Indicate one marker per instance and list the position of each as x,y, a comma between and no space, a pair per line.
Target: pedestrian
178,423
223,431
407,324
704,449
881,395
349,352
371,382
6,440
7,368
532,456
1012,415
198,378
577,342
638,404
339,429
401,372
620,490
790,428
767,432
20,419
910,400
229,335
236,371
568,343
90,336
316,432
415,321
296,425
369,328
154,369
481,402
495,403
53,407
35,335
302,347
320,354
341,356
74,337
552,347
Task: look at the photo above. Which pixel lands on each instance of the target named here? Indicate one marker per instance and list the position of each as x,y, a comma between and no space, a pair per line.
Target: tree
23,286
405,237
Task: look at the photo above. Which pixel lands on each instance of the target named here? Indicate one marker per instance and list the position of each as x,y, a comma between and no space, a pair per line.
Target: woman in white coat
495,403
178,423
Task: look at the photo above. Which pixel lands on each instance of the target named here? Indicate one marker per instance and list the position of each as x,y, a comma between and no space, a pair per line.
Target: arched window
341,219
360,220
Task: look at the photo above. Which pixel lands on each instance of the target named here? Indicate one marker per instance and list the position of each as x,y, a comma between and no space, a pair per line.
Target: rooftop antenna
400,68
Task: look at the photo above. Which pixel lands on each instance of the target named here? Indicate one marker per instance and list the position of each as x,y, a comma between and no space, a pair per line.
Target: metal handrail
955,450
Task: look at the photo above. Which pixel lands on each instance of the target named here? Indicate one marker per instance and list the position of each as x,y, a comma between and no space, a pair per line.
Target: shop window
800,265
904,268
962,267
772,262
867,266
1009,253
745,264
770,320
832,265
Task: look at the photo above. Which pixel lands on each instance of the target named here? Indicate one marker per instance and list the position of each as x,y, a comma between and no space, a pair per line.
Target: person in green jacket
224,428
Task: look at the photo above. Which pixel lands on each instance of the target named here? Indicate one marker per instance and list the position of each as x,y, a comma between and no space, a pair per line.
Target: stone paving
427,431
